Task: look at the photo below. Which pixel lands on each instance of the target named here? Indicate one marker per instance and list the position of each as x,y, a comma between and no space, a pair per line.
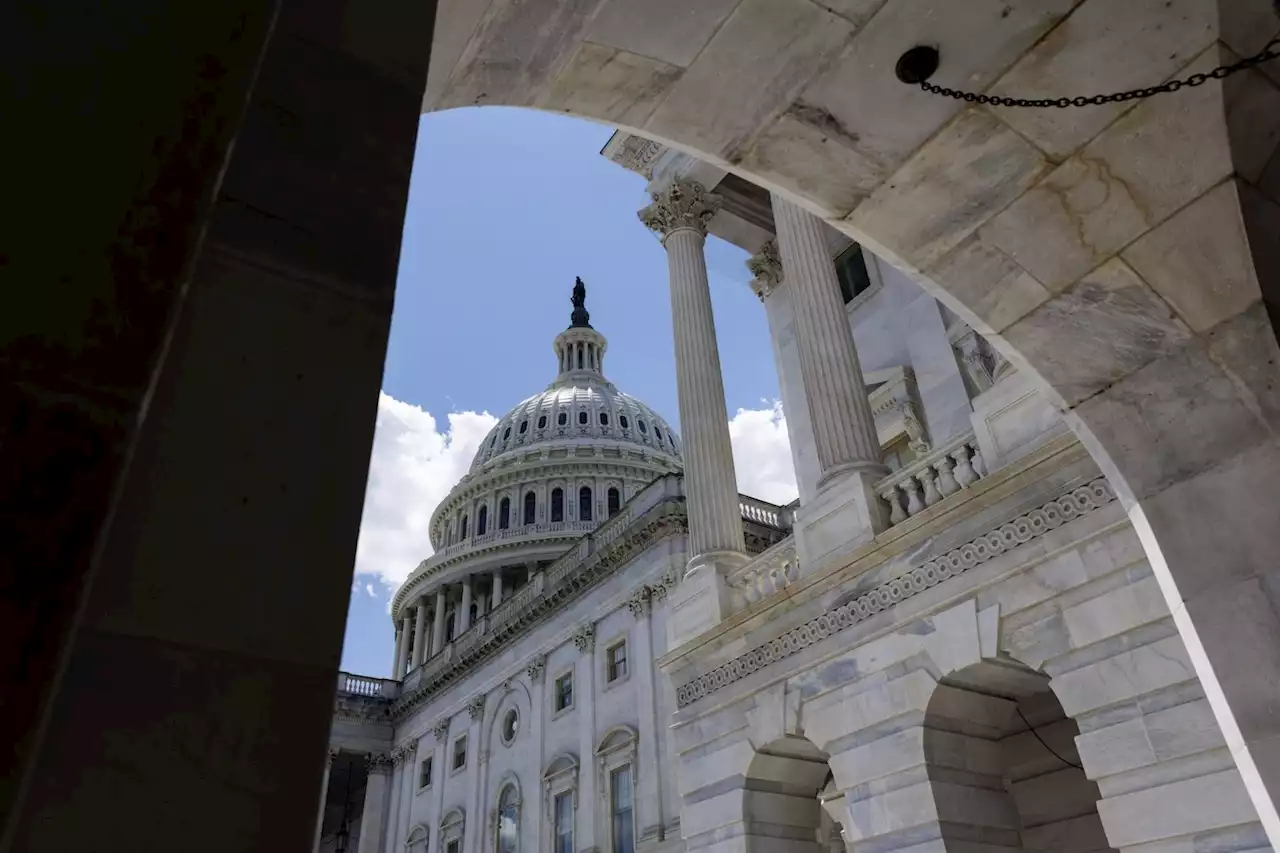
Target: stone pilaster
648,817
846,511
373,822
419,633
679,214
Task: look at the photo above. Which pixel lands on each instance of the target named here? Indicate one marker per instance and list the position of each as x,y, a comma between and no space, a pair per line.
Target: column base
845,514
701,600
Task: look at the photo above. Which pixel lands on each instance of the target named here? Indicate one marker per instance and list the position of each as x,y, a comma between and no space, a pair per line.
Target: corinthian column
846,511
679,214
419,633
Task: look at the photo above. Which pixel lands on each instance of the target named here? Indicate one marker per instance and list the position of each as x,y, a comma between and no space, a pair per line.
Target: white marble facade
979,658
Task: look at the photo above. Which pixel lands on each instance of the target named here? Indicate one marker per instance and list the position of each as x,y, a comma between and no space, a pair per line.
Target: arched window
584,503
493,441
506,433
504,513
462,532
582,418
557,504
657,432
542,422
530,507
482,520
524,426
508,820
615,502
604,419
623,422
417,840
563,419
640,424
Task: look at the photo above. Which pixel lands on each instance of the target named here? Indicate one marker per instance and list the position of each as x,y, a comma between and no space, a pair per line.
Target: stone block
1076,835
969,171
1012,418
1199,259
845,514
670,31
751,69
1181,808
954,644
1124,676
1042,582
1051,797
966,804
1102,47
1183,730
890,812
956,751
1253,116
883,757
992,288
1097,332
609,84
1115,612
697,604
1115,749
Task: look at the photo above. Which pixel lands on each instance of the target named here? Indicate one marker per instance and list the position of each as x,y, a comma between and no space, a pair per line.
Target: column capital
537,668
378,762
585,637
683,204
441,729
766,266
476,706
639,602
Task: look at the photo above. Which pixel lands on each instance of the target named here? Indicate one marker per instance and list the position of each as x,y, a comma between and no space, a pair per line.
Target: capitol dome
554,467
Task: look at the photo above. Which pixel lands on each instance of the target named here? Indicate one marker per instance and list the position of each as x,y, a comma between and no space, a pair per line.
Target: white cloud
762,454
369,589
411,469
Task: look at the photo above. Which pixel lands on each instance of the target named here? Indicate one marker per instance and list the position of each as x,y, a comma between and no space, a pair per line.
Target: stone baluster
947,484
964,473
892,498
914,503
931,494
679,214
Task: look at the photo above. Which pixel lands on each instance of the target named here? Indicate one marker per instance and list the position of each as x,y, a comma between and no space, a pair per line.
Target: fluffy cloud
762,454
412,468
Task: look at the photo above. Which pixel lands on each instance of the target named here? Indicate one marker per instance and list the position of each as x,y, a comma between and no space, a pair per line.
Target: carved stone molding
332,754
537,668
637,154
683,204
658,592
404,754
1020,530
378,762
476,706
917,438
585,637
638,603
766,266
441,730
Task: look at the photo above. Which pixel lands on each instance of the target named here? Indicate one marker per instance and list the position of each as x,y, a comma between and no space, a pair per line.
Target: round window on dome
642,427
524,427
623,422
510,726
582,418
506,433
657,432
604,419
563,419
542,422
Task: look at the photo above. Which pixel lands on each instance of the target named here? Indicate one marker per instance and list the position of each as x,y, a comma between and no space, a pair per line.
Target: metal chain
1271,51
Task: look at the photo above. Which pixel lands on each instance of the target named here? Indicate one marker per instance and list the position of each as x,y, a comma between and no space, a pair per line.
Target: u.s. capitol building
952,641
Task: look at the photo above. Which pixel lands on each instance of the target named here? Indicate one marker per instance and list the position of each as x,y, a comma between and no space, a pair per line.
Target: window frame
429,761
530,512
613,501
557,492
611,807
509,783
454,766
560,778
587,501
482,520
555,693
504,513
616,750
621,642
502,726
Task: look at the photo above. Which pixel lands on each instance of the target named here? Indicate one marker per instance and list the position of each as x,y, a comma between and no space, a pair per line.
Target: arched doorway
1117,254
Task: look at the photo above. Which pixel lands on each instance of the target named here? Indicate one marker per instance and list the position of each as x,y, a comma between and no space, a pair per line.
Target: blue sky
506,207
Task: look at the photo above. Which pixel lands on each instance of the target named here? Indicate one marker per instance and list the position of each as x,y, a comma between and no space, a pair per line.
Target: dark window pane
615,501
557,505
584,504
851,271
530,507
504,514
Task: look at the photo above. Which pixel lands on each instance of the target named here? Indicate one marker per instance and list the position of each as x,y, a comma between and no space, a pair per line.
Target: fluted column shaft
419,634
437,625
464,609
840,412
679,215
396,672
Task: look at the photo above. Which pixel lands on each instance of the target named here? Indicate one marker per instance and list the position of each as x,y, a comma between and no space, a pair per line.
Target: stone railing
350,684
768,572
763,512
540,529
933,477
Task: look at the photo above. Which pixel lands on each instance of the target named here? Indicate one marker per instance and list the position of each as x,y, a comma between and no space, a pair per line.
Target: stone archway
1121,254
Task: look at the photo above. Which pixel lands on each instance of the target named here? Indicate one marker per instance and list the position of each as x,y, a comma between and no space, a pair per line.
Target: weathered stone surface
857,12
753,66
610,84
1199,260
1253,116
886,121
1193,805
1097,332
1124,676
993,289
969,171
671,31
1103,47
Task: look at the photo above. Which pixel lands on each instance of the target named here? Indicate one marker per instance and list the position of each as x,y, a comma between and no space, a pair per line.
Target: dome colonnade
553,468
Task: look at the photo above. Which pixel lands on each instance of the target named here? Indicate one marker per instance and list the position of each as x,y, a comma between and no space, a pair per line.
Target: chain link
1271,51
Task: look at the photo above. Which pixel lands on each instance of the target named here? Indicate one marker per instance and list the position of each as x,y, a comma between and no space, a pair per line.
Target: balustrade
768,572
364,685
761,512
933,477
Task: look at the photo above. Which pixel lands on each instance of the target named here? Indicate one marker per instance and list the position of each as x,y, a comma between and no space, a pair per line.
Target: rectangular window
460,753
564,822
424,772
851,272
453,846
620,796
564,691
616,659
